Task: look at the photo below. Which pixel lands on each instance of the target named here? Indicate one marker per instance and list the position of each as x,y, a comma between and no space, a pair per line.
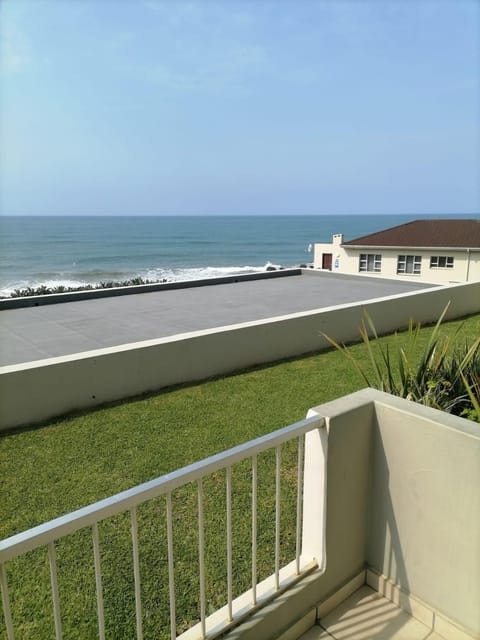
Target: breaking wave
157,274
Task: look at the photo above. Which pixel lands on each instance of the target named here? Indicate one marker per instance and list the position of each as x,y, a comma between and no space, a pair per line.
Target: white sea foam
199,273
9,289
154,274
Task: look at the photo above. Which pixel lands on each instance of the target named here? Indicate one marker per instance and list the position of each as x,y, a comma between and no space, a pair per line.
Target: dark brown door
327,261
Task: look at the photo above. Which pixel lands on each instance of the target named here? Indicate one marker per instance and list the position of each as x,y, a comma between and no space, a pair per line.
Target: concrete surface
36,333
366,615
111,292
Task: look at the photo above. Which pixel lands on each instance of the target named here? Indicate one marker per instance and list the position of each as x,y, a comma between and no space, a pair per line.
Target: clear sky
239,107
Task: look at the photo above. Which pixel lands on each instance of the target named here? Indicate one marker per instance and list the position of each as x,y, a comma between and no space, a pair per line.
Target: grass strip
74,461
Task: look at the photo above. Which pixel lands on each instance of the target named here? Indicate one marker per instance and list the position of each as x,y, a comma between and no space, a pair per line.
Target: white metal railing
310,530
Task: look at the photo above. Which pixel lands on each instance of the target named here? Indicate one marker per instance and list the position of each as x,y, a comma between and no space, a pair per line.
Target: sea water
74,251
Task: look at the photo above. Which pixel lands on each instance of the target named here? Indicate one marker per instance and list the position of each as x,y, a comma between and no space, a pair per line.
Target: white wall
423,501
473,266
425,507
346,260
33,392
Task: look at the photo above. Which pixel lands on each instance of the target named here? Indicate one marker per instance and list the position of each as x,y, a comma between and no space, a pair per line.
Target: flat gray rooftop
35,333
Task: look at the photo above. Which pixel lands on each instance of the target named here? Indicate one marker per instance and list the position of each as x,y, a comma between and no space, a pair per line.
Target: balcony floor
367,615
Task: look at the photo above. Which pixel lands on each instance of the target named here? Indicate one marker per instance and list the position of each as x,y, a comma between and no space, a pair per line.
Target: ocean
74,251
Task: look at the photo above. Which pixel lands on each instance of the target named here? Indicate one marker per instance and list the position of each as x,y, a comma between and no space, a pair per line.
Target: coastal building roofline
428,234
349,245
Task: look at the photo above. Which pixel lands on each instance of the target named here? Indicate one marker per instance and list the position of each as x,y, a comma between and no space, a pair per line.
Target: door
327,261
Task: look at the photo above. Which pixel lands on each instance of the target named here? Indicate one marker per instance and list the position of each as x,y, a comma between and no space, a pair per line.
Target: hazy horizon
227,215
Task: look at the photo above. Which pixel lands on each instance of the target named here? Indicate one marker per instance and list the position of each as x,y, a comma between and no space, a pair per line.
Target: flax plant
437,374
470,374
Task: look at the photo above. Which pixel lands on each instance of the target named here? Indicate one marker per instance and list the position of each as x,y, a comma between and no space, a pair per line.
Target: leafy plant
470,374
109,284
439,374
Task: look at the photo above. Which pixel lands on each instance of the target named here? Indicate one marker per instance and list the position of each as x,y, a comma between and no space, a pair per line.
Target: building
437,251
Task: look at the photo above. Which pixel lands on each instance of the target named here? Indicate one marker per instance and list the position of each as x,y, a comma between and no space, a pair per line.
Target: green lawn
71,462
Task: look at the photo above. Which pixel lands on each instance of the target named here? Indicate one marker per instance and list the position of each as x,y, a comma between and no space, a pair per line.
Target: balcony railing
309,532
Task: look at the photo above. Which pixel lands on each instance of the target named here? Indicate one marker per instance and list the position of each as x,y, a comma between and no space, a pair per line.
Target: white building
443,251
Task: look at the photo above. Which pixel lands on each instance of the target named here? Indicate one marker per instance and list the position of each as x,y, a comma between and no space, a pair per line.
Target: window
440,262
370,262
409,264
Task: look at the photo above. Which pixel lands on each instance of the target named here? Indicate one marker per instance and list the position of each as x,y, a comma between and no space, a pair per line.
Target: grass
74,461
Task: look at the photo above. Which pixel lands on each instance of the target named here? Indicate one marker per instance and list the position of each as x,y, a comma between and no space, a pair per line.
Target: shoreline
71,283
89,294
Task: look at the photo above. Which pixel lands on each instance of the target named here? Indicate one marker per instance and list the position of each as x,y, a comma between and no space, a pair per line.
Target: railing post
277,516
136,572
298,523
254,528
229,543
201,557
315,495
98,582
7,614
171,569
55,597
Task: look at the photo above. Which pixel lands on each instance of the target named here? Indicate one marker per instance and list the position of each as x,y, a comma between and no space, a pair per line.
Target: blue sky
239,107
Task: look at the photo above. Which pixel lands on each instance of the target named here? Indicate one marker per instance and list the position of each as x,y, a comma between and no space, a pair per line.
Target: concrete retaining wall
111,292
34,392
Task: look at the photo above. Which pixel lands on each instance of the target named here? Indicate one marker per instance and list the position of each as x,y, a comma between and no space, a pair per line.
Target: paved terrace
35,333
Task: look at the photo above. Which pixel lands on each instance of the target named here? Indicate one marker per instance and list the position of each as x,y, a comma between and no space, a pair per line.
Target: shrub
44,290
443,374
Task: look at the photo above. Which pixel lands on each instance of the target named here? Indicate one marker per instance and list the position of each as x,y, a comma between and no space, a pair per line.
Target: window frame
409,264
370,263
436,262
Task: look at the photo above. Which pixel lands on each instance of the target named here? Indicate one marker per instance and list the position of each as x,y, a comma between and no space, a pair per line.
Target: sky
166,107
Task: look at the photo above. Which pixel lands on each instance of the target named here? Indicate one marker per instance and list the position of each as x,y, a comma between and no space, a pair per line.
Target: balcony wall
403,497
424,525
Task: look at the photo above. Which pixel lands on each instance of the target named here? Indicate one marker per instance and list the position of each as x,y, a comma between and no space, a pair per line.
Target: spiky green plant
470,375
439,374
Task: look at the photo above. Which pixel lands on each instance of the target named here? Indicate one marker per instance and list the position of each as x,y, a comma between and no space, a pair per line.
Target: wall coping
91,294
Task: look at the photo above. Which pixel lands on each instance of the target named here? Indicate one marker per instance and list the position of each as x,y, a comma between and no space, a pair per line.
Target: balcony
385,541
